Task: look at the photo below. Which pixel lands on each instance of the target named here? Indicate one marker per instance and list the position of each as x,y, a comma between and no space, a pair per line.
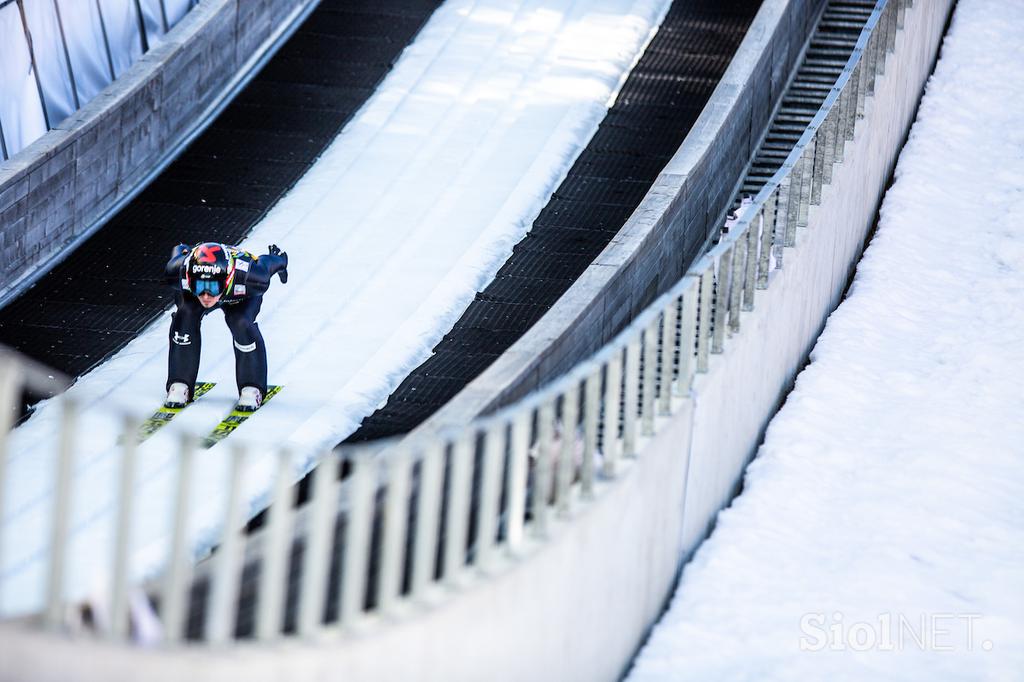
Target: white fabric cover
154,18
21,112
176,10
58,95
84,33
122,22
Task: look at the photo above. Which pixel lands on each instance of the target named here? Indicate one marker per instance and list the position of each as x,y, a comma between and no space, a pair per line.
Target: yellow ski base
235,419
164,415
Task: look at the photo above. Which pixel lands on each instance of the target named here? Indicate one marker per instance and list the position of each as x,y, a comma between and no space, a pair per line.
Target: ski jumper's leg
250,351
185,343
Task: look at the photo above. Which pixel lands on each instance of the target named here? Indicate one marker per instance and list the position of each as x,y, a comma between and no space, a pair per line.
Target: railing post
688,337
880,54
631,399
542,478
396,516
669,348
750,276
274,559
863,66
428,510
10,389
853,85
739,266
456,525
612,406
891,25
222,606
806,183
362,489
650,353
818,172
119,588
869,58
592,408
721,306
839,112
796,177
517,474
564,471
707,284
173,603
764,261
782,216
842,116
61,512
322,515
490,497
838,115
829,126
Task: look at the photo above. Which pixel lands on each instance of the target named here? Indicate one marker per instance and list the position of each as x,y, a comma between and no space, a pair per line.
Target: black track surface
658,104
109,289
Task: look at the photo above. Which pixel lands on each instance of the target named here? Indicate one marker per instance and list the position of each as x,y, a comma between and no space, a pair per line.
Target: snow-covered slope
408,213
880,534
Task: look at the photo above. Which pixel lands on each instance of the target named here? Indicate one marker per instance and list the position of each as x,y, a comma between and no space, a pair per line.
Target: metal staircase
827,53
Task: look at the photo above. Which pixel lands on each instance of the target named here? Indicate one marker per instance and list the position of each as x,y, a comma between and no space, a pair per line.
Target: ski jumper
240,302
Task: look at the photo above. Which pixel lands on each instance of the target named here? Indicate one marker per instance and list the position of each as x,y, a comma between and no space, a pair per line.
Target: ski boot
249,399
177,396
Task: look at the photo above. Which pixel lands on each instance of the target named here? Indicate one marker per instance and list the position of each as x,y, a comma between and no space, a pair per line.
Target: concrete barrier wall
572,607
573,604
736,398
687,202
61,187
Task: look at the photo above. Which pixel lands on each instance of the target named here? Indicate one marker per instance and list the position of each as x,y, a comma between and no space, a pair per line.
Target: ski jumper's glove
172,271
277,261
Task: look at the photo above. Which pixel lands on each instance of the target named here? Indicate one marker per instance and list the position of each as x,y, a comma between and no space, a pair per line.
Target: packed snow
880,532
412,209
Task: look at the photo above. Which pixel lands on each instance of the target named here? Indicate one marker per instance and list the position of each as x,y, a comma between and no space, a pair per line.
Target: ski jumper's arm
172,272
265,267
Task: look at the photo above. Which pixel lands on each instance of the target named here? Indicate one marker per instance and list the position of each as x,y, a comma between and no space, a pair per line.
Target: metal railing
69,50
389,524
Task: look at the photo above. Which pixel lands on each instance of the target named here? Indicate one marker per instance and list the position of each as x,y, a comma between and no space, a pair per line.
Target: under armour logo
182,339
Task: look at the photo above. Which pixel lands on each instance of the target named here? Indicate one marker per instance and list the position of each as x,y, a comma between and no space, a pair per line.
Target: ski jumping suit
241,304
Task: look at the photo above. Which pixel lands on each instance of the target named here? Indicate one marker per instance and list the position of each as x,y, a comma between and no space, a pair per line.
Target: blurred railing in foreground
385,524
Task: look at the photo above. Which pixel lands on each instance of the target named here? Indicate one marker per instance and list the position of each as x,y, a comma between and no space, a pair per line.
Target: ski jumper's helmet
209,269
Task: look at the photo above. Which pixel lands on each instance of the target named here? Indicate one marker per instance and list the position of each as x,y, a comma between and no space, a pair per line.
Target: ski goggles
207,286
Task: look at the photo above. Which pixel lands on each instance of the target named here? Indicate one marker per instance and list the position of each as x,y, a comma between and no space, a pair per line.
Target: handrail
484,492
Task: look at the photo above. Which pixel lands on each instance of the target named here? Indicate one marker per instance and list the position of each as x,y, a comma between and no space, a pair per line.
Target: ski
163,416
235,419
